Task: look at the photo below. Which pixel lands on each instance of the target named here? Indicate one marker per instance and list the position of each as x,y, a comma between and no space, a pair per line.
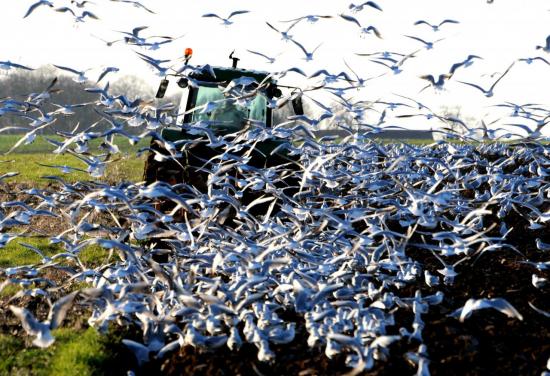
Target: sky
501,33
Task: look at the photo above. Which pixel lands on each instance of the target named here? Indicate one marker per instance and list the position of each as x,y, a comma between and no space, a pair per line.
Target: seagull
81,4
545,48
7,65
433,26
530,60
466,63
136,4
81,75
499,304
36,5
312,18
359,7
78,18
489,93
107,43
284,34
364,30
42,330
106,71
270,60
226,21
309,55
427,45
438,85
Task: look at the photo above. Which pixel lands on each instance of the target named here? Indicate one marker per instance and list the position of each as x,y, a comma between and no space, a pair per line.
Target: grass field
27,159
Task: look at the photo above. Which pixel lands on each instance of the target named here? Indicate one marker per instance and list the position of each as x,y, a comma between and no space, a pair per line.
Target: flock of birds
337,252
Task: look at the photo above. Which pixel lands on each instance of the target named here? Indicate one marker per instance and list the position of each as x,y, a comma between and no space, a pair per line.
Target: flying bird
81,74
466,63
36,5
284,34
226,21
309,55
545,48
433,26
428,45
269,59
438,85
311,18
7,65
359,7
364,30
106,71
489,93
531,60
136,4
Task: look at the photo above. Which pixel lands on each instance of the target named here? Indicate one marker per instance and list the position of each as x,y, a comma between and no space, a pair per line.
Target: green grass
14,254
126,166
75,352
40,145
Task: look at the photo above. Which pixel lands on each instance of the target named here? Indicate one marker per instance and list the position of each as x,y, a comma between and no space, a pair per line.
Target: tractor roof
227,74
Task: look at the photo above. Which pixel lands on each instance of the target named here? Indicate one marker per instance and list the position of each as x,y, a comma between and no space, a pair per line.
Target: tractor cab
224,100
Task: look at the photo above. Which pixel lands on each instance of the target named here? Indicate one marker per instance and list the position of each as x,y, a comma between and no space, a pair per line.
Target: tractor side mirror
183,82
162,88
297,105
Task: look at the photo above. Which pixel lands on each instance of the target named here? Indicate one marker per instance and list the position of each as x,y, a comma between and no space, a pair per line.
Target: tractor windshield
218,109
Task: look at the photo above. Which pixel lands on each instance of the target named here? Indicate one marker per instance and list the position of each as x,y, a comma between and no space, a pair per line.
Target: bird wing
350,19
428,77
259,54
237,12
272,27
455,66
372,4
474,85
448,21
299,45
502,76
59,309
65,9
140,5
212,15
36,5
375,31
420,22
417,38
27,68
68,69
542,59
136,30
89,14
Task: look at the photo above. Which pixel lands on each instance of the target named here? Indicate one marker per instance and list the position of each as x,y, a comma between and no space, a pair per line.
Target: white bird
364,30
428,45
106,71
7,65
36,5
530,60
136,4
490,92
284,34
226,21
499,304
545,48
81,75
359,7
434,26
308,55
269,59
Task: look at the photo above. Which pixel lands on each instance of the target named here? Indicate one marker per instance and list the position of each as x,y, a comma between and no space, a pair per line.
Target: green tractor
209,86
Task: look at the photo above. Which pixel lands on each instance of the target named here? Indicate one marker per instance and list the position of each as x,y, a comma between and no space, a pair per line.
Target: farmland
216,188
